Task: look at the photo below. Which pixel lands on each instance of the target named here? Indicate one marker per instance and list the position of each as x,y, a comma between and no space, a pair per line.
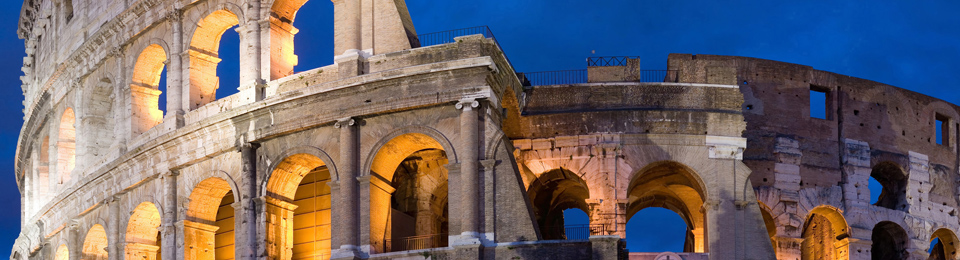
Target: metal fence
415,242
562,77
609,61
579,232
444,37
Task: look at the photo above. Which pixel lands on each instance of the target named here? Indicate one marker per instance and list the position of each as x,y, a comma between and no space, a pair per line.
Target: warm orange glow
311,219
299,196
145,92
225,236
551,193
208,227
282,57
142,236
66,145
825,223
95,244
672,186
204,56
396,150
62,253
948,240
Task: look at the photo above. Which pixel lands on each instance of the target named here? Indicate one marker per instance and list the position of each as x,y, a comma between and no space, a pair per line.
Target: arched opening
98,119
299,190
657,229
825,235
204,57
146,89
143,234
209,225
282,57
62,253
770,224
889,242
66,145
408,195
43,173
95,244
943,245
554,192
894,186
674,187
319,39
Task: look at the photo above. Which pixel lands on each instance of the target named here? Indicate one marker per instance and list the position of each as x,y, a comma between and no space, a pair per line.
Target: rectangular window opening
819,102
943,129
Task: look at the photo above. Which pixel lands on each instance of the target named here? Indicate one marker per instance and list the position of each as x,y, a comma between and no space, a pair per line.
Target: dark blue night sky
909,44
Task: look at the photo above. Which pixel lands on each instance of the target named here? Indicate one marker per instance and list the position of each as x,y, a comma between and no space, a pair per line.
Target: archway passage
318,41
143,234
62,253
145,89
944,245
894,182
298,192
282,57
95,244
657,229
889,242
675,187
770,224
553,192
66,145
209,224
825,235
409,194
204,56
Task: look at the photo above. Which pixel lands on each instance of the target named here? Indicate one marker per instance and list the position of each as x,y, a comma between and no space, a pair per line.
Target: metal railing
577,232
444,37
415,242
609,61
563,77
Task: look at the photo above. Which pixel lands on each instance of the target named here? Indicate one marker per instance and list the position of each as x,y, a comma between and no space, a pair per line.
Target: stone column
347,211
168,228
175,77
115,246
246,222
347,26
469,170
251,76
74,242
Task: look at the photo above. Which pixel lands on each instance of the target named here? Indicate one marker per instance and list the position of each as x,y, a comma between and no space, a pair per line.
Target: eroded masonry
412,148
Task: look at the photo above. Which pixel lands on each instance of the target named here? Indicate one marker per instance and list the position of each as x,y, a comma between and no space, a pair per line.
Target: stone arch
946,248
66,145
676,187
406,171
894,181
553,192
769,222
298,192
142,235
270,185
890,242
420,135
282,57
63,252
207,234
825,234
203,52
145,88
95,243
43,173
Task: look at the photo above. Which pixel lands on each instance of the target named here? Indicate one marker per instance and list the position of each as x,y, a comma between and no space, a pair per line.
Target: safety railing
576,232
444,37
609,61
415,242
562,77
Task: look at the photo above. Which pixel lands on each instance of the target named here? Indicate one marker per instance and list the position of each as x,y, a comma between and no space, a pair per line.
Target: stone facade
398,150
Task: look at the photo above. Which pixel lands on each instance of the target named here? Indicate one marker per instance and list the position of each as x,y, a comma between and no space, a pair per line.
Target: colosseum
431,146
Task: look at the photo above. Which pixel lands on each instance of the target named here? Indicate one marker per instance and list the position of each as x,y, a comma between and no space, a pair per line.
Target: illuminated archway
894,182
143,235
282,57
299,191
769,222
408,194
62,253
553,192
675,187
209,225
825,235
946,246
95,244
145,89
889,242
204,56
66,145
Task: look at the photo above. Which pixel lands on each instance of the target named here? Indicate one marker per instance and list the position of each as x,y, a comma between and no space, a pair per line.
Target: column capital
169,174
468,104
249,145
349,121
176,15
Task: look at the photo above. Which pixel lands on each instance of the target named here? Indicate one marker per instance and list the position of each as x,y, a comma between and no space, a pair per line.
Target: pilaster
347,212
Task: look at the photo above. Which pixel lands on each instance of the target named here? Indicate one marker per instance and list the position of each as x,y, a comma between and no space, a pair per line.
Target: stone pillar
74,242
115,242
468,243
175,76
346,26
918,182
856,170
251,66
246,237
278,228
347,213
168,228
